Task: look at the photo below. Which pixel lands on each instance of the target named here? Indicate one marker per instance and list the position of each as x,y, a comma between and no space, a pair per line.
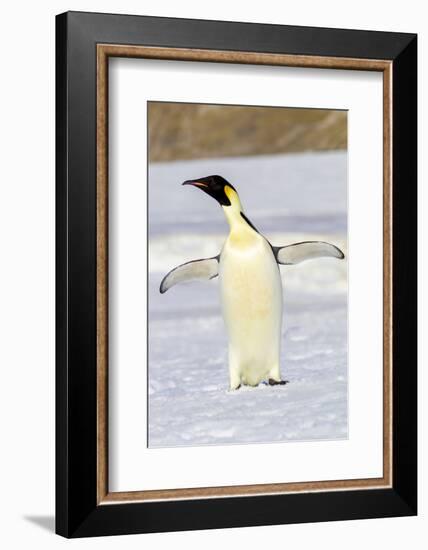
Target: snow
289,198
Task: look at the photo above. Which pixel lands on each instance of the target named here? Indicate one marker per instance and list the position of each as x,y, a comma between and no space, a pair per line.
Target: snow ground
189,401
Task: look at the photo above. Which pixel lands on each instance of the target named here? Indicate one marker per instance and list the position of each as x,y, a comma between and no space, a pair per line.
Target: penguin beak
202,185
195,183
211,187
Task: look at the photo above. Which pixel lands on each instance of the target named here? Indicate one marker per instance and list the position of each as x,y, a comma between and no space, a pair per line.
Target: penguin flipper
204,270
308,250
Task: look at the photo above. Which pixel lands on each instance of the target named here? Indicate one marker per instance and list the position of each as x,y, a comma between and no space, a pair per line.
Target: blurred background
179,131
290,168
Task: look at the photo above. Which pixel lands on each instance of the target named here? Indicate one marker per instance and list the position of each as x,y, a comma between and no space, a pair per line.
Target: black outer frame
77,513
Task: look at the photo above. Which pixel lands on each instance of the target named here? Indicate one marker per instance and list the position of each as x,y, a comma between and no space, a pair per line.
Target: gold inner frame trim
104,51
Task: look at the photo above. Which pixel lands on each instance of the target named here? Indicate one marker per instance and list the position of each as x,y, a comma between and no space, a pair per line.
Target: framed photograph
236,274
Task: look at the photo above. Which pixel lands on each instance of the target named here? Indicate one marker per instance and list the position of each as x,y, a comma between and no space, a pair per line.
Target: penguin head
217,187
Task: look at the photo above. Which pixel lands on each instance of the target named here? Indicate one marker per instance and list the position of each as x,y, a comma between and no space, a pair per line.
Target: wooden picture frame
84,504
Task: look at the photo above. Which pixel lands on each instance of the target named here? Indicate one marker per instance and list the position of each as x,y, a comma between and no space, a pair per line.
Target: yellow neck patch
232,195
241,234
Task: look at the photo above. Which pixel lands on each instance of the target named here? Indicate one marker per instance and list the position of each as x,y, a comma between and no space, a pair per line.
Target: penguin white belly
251,297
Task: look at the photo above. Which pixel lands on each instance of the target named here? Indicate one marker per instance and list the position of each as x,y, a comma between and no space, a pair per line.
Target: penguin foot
273,382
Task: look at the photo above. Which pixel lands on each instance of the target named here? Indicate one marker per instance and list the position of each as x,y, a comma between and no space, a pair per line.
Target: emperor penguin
250,286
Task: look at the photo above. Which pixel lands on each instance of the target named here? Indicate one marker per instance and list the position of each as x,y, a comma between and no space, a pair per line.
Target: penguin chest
251,295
